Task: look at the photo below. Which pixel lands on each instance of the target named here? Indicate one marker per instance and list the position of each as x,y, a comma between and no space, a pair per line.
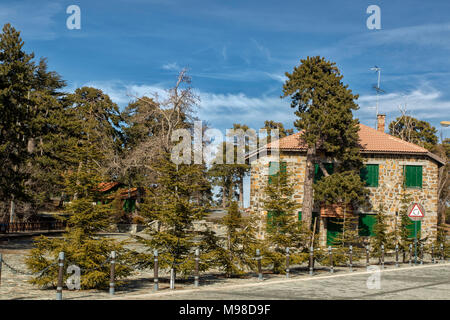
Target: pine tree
93,140
381,234
348,237
82,247
170,202
234,254
91,135
415,131
402,233
324,110
16,83
283,229
46,144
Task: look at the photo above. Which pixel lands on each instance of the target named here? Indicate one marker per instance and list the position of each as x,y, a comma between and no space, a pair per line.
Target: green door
333,229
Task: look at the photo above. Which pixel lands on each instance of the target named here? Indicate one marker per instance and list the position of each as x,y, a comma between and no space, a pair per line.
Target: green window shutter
413,176
370,174
318,174
411,228
419,176
365,224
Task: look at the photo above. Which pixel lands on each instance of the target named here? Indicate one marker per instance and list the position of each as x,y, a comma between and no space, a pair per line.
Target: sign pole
415,242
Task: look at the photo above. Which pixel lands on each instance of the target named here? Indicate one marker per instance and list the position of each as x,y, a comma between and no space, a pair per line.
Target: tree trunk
308,198
322,168
224,196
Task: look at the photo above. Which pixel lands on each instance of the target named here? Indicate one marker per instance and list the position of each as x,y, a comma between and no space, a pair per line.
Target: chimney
381,118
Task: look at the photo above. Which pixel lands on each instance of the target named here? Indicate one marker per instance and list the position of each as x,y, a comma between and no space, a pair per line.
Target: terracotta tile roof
123,193
105,186
371,141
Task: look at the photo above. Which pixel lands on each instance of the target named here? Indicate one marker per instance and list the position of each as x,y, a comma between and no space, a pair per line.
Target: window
369,174
274,169
412,176
365,224
318,174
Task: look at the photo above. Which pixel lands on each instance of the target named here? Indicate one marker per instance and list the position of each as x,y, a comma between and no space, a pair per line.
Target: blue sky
237,51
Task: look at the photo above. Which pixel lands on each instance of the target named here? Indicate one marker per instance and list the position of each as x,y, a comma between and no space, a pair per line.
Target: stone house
392,166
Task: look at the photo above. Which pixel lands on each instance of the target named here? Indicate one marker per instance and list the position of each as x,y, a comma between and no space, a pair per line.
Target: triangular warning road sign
416,212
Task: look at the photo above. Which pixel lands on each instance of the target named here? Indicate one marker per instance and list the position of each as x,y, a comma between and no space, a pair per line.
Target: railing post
258,258
396,255
155,270
382,256
330,253
415,251
59,287
1,260
421,253
311,260
351,258
112,273
432,253
367,255
196,277
410,254
287,262
172,279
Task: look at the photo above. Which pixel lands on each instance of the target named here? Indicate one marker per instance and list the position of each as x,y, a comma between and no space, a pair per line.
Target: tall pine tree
324,108
16,84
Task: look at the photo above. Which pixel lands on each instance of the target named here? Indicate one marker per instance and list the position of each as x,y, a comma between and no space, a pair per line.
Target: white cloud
424,102
221,110
173,66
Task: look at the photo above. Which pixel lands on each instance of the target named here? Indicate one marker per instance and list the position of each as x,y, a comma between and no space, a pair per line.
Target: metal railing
16,227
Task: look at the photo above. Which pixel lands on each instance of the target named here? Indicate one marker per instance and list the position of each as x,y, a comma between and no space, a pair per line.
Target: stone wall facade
388,192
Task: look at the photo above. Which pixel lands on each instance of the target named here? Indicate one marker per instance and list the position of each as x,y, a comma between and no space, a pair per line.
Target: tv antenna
377,87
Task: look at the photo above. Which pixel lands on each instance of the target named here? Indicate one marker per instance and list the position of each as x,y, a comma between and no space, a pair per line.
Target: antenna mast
377,88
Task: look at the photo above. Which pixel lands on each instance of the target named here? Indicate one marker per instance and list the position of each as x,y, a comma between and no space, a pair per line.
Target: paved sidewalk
406,283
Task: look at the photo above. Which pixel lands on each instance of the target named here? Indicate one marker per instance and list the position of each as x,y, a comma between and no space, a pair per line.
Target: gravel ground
16,286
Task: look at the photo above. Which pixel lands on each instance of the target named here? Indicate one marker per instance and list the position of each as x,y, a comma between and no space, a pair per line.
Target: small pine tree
82,247
348,237
402,235
235,252
283,230
381,234
170,202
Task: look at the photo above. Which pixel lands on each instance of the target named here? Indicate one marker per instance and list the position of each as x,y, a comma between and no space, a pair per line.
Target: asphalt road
405,283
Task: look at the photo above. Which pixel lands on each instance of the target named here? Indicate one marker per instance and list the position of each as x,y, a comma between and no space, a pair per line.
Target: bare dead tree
173,110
